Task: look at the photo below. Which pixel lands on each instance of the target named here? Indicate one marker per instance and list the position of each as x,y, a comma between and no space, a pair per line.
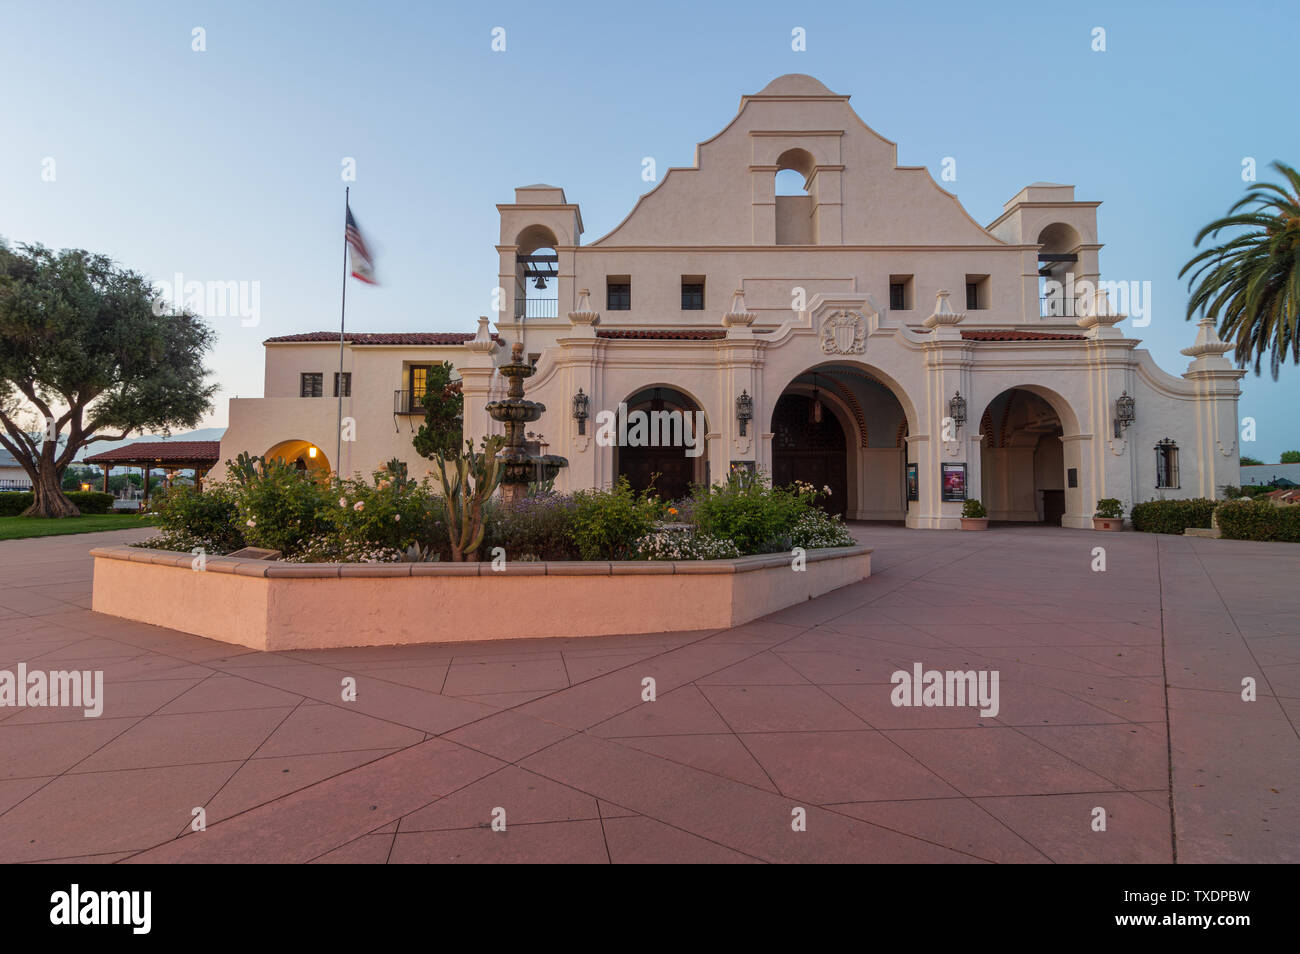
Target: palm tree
1251,284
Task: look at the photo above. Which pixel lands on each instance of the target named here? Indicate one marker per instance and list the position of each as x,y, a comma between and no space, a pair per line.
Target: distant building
12,475
1266,475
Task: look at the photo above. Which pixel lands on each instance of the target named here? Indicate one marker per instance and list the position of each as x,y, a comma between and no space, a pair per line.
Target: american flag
363,265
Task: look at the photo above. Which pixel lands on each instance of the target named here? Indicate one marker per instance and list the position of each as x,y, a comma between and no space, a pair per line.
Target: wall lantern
744,410
311,452
580,404
1125,413
815,410
957,409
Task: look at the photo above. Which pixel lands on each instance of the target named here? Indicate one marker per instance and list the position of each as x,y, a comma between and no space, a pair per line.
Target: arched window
794,203
536,274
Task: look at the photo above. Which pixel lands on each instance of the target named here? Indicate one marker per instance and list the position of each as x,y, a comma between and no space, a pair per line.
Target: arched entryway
657,455
1023,472
856,444
302,455
809,445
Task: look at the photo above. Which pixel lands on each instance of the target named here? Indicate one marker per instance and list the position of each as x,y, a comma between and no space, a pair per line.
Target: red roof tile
379,338
165,451
666,334
1009,335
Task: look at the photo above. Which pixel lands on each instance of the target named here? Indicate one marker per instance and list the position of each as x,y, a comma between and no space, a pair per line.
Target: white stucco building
854,316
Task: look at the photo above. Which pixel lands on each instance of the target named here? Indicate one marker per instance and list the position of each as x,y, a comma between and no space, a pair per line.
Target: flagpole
338,443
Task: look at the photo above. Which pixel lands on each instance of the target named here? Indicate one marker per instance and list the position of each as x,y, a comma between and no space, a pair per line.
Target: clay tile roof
165,451
667,334
380,338
1008,335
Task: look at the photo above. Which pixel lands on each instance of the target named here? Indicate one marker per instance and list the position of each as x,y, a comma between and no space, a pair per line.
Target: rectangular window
692,293
347,384
900,292
419,383
618,294
1167,464
311,383
977,292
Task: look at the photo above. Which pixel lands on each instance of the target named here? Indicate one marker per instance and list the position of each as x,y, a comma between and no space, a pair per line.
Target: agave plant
463,502
1250,284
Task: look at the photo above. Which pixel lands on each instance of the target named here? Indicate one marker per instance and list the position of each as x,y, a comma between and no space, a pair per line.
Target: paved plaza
1119,690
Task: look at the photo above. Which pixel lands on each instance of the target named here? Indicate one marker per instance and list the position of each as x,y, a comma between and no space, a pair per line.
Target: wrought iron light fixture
1125,413
744,410
580,404
957,409
815,412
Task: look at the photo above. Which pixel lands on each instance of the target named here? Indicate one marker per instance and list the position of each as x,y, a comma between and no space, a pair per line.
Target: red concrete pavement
749,724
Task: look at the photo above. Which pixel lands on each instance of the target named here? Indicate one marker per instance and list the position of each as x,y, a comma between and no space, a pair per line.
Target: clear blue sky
225,164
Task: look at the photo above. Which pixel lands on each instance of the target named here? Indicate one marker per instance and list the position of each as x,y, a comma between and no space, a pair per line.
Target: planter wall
280,606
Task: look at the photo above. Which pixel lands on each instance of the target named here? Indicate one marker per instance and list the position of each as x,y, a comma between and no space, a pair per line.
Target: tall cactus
464,504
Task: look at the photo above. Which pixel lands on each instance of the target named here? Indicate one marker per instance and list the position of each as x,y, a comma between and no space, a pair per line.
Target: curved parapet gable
857,194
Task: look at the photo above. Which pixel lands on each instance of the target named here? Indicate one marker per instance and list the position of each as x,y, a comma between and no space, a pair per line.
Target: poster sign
913,483
953,482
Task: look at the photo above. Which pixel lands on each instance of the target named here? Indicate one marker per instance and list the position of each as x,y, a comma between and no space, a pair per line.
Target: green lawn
15,528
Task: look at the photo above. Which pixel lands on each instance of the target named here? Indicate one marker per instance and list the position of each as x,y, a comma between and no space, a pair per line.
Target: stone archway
811,447
300,454
661,460
1022,465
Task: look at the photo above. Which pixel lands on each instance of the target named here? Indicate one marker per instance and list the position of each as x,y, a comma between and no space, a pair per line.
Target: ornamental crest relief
844,332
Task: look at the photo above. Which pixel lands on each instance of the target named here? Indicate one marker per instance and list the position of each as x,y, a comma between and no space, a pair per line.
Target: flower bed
368,562
275,605
391,518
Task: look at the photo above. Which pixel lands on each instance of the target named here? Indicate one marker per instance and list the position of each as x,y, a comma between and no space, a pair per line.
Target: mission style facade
865,335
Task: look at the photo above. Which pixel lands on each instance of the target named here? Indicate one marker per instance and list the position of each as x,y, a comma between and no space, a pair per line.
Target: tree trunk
50,500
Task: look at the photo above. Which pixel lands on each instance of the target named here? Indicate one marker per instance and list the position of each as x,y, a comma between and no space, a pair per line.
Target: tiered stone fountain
519,467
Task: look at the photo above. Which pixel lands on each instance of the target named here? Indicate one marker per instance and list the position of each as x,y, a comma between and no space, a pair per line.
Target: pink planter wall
276,606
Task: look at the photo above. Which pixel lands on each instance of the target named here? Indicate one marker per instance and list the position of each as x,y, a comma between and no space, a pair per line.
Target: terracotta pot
1108,523
974,523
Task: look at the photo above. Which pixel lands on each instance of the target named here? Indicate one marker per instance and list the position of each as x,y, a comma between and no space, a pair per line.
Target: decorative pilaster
1217,391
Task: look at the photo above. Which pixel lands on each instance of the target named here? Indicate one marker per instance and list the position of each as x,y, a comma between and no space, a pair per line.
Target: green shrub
1109,508
756,517
1258,520
1172,516
392,513
684,543
14,503
816,528
972,509
608,523
188,518
541,526
91,501
280,507
87,501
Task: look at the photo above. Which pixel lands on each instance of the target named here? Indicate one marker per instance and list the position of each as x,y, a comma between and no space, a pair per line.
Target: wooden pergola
168,456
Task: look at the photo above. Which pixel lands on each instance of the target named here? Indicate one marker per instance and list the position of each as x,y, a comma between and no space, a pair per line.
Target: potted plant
1109,515
974,516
